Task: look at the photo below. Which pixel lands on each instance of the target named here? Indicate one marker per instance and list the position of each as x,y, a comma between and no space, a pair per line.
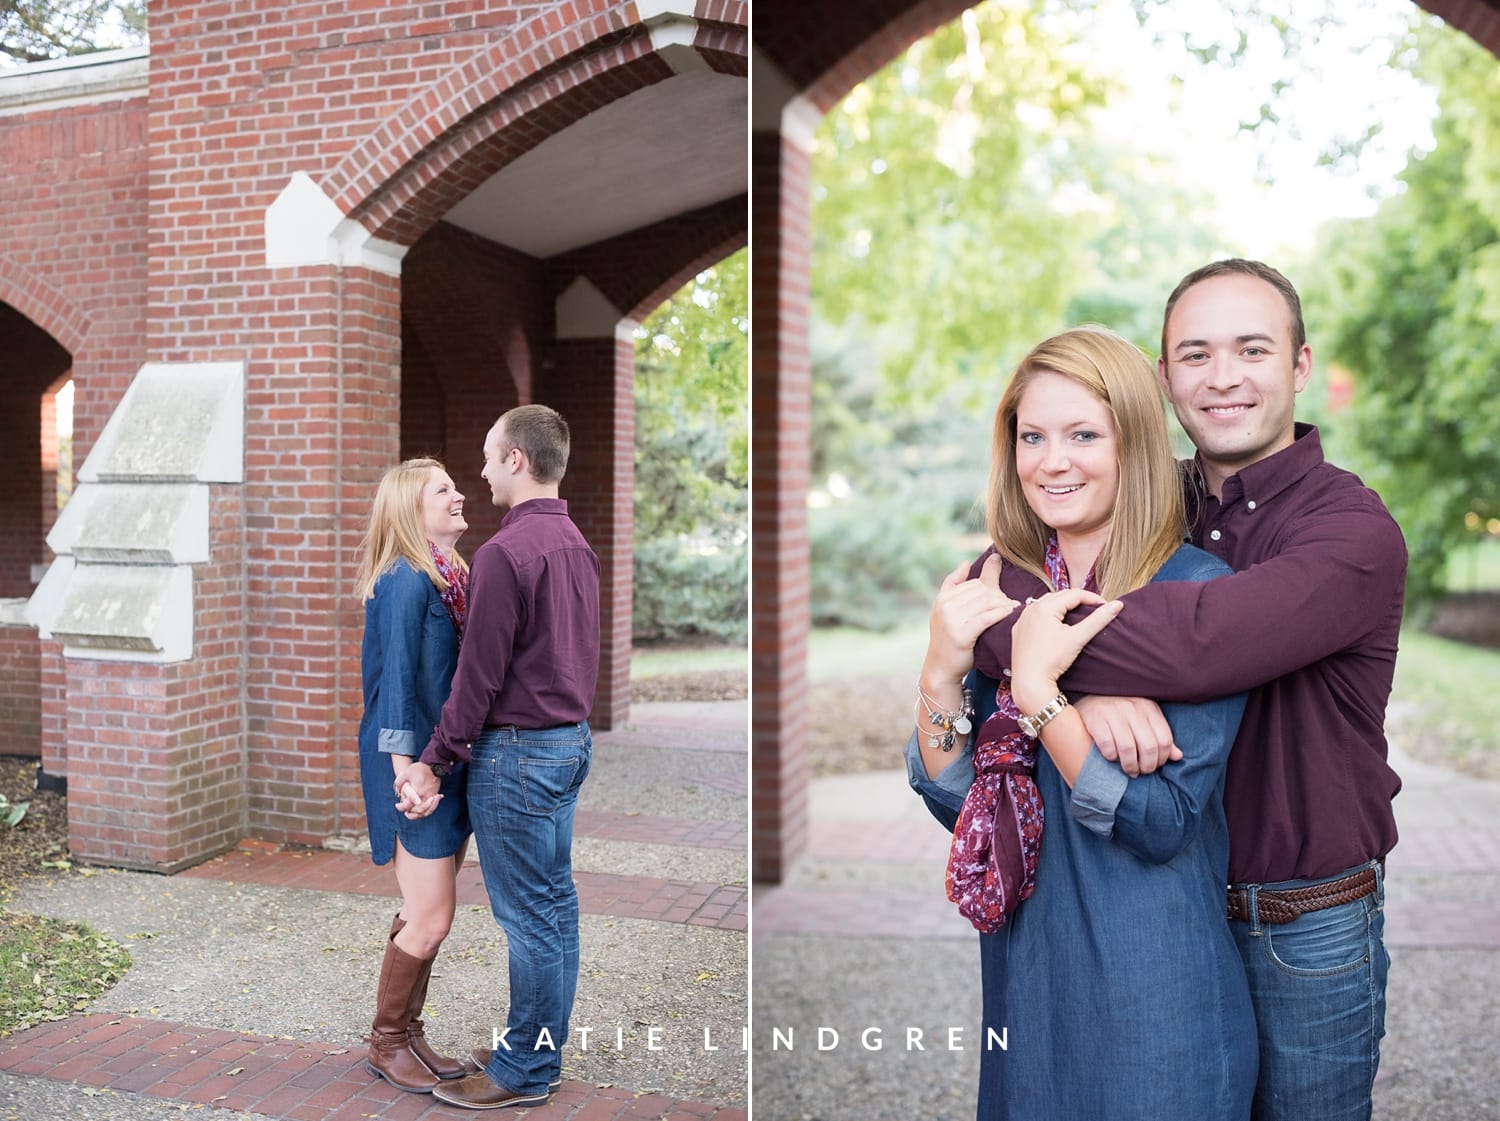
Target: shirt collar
534,506
1266,478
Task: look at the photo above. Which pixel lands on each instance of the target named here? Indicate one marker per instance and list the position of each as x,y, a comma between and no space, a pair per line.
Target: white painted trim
584,312
300,224
82,79
305,227
358,249
777,104
673,38
649,10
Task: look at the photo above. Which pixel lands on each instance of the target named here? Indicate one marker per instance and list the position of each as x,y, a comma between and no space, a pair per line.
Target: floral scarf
998,838
456,594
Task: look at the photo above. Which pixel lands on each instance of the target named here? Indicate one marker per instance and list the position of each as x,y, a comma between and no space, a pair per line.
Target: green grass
51,969
646,662
1445,706
843,653
1474,568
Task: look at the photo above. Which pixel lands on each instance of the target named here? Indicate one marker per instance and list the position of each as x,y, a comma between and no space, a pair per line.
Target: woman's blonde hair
396,529
1148,523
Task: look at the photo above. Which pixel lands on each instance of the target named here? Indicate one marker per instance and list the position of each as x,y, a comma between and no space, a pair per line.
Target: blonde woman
414,586
1112,987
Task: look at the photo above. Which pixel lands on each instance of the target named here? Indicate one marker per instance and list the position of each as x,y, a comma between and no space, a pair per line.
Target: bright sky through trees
1272,187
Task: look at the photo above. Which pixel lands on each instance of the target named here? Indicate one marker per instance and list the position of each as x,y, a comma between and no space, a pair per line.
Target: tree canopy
1409,302
692,458
37,30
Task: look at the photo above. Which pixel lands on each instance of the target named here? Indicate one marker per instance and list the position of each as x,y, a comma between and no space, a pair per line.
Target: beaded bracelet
953,724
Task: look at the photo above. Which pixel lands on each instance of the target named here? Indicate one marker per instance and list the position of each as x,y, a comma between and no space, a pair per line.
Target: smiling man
1309,625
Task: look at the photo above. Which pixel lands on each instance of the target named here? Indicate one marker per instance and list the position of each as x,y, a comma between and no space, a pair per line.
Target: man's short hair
542,435
1238,266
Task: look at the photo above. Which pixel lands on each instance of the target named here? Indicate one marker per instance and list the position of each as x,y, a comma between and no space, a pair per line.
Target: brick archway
808,56
45,306
155,187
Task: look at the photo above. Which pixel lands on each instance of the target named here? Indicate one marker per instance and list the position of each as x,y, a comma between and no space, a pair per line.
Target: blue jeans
523,792
1318,986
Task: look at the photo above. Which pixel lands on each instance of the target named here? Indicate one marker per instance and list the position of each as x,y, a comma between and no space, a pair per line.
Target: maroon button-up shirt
1308,623
530,653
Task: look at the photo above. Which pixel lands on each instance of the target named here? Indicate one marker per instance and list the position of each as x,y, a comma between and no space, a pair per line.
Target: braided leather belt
1277,907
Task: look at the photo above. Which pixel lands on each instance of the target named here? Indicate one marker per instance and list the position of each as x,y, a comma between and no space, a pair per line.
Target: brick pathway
280,1077
599,893
921,843
311,1081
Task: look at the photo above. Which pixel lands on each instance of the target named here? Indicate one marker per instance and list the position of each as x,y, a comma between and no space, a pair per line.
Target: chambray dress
1117,987
409,653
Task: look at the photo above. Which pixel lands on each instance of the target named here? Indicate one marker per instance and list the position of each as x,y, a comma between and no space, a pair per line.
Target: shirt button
1250,505
1215,535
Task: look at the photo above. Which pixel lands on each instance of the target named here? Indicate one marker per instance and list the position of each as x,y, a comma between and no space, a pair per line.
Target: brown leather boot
391,1055
440,1065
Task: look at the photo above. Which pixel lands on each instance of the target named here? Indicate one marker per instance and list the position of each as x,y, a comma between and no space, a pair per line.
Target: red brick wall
476,315
780,404
33,360
592,383
397,116
76,265
1479,19
155,752
20,691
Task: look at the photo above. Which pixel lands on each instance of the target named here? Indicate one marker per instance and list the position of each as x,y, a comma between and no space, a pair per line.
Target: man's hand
417,788
962,611
1130,731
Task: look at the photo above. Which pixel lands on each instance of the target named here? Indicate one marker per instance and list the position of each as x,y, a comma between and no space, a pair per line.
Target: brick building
808,55
285,247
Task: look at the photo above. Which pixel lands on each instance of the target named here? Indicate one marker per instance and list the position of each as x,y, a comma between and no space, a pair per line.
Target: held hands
962,611
417,789
1043,646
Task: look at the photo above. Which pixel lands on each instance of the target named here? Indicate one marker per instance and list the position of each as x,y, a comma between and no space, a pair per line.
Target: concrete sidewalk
861,943
254,973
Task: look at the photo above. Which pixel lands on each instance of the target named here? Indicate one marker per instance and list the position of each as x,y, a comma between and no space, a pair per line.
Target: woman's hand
1043,646
962,611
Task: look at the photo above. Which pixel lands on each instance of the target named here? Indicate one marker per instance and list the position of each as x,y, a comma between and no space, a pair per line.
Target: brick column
368,381
592,383
156,775
781,404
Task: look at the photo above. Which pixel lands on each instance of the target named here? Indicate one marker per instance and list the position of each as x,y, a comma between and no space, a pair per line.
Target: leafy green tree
36,30
692,459
965,206
1409,301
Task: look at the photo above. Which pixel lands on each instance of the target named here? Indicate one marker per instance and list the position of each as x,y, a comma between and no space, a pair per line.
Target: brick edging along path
723,906
292,1079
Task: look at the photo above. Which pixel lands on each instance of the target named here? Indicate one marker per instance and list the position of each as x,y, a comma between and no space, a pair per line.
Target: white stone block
142,523
127,613
181,421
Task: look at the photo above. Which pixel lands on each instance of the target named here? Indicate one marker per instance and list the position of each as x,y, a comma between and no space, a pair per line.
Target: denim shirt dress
410,650
1116,988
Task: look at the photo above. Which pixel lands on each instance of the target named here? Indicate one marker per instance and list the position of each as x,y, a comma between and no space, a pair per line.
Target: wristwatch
441,769
1033,725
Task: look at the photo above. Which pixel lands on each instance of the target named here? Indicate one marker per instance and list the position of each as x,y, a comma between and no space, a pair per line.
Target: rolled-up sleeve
1156,816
